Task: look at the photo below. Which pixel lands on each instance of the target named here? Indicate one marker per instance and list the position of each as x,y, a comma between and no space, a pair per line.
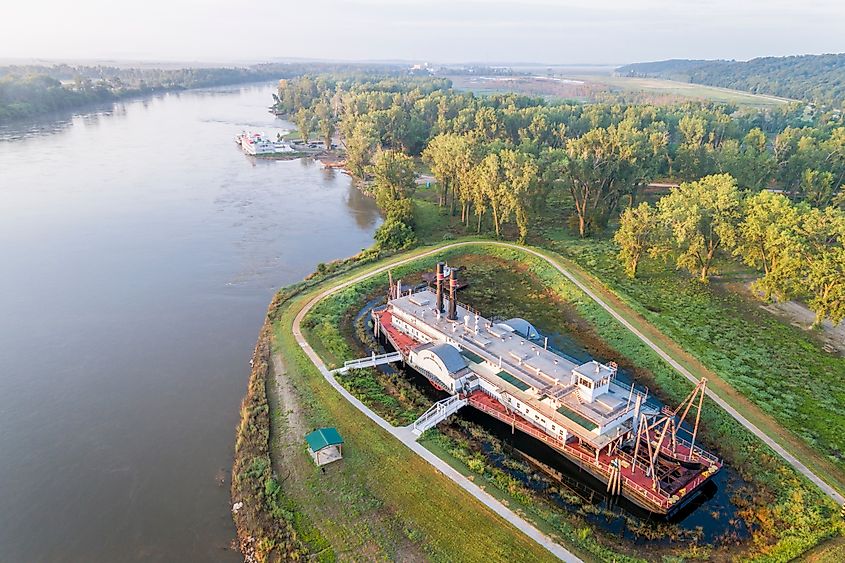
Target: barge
505,369
256,144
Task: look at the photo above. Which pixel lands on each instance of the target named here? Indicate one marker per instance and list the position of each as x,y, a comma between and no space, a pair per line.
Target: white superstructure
256,144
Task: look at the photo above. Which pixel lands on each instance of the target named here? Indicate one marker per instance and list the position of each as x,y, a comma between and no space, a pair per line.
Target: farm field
684,90
603,86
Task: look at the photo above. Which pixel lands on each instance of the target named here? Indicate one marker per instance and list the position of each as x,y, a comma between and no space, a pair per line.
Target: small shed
325,445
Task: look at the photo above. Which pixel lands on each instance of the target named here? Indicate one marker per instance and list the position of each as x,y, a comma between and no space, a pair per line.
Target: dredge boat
256,144
506,370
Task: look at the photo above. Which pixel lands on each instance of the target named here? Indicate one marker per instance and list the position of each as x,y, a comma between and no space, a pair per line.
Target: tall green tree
703,218
601,166
694,154
325,121
451,157
817,187
360,144
750,162
394,177
826,284
519,171
768,239
485,180
303,123
823,258
638,233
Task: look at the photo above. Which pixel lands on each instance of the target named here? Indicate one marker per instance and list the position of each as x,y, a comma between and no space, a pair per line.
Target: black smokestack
453,303
440,287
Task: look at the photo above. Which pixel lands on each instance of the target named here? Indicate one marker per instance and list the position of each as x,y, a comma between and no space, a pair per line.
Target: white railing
369,361
438,412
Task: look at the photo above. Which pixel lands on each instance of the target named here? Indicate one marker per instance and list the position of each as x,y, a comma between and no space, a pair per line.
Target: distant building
325,445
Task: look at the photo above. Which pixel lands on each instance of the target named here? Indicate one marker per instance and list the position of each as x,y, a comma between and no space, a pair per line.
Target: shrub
395,235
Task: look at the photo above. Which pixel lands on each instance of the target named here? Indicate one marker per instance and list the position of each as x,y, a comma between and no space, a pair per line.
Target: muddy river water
139,249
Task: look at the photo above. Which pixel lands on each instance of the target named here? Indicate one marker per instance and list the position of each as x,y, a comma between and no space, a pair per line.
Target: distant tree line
814,78
28,90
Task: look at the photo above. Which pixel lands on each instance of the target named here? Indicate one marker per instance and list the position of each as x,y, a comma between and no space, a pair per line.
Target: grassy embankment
264,519
791,514
382,501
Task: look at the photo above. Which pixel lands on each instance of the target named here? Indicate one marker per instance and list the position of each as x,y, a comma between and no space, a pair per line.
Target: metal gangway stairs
369,361
439,411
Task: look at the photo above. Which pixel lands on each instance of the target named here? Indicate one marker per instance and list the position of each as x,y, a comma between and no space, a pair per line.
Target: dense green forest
814,78
30,90
499,159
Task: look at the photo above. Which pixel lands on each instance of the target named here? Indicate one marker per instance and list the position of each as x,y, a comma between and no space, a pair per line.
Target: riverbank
255,501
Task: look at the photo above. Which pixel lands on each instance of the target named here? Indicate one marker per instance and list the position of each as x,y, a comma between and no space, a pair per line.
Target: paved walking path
405,435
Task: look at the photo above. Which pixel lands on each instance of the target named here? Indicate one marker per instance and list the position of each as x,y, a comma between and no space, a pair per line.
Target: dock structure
369,361
504,370
439,411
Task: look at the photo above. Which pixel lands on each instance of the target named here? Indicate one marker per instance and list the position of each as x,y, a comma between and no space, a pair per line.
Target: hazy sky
548,31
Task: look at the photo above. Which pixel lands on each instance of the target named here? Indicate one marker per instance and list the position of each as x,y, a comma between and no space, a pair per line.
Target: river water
139,249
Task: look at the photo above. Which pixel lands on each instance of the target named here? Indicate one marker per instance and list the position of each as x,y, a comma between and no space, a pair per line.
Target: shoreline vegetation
261,528
28,91
790,515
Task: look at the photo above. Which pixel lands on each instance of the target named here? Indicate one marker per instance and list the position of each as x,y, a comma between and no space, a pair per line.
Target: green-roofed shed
325,445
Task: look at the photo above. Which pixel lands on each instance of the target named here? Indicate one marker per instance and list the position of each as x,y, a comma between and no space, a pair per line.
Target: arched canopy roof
451,358
522,327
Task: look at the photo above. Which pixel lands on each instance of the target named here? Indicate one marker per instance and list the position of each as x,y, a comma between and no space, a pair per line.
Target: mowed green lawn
382,502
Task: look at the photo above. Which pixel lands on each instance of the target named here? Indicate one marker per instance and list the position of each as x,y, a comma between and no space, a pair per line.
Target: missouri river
139,249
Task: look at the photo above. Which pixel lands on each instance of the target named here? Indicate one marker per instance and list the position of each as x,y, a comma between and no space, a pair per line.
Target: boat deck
633,476
518,366
674,481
